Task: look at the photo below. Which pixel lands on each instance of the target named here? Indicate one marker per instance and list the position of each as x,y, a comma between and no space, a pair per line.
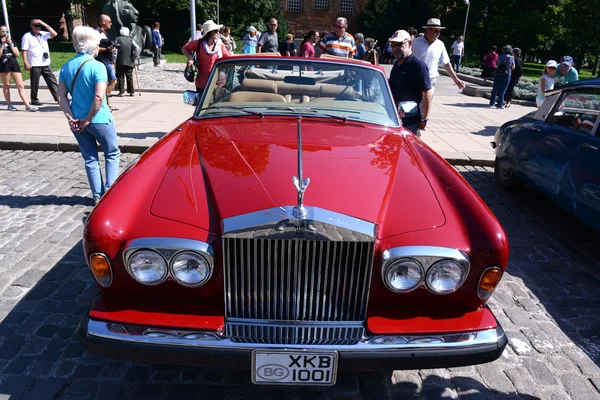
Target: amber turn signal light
100,266
488,282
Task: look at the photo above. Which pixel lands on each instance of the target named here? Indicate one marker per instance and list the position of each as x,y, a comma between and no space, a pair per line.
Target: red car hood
363,171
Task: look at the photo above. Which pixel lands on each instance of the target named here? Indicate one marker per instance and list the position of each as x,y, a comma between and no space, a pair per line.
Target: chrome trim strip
278,214
426,341
168,248
427,256
311,324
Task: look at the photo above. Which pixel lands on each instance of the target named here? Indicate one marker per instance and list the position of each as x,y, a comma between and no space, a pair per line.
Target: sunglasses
435,30
551,67
398,44
340,27
37,26
4,31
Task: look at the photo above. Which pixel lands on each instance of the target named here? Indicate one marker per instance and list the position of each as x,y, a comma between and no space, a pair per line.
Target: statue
123,14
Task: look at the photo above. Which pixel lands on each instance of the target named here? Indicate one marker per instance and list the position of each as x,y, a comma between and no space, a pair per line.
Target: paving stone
578,387
16,386
46,389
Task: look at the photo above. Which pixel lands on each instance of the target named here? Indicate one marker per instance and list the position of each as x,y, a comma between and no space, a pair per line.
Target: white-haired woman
126,56
88,114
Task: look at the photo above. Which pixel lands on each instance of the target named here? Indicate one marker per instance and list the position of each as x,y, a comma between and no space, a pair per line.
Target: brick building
320,15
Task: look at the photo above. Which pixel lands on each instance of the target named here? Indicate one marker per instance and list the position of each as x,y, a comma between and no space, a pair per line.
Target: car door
548,151
581,187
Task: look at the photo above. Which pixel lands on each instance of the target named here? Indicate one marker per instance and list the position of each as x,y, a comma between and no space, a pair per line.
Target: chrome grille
275,277
277,333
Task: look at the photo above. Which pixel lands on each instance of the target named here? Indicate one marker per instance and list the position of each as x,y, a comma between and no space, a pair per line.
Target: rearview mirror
408,108
190,97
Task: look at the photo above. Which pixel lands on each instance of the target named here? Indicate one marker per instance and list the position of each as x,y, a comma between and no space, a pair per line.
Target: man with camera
107,55
36,58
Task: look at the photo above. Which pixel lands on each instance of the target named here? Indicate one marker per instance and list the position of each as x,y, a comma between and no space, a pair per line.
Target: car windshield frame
287,86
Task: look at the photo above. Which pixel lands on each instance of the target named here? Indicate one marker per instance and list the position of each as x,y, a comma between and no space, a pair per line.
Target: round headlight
148,267
445,276
190,269
403,275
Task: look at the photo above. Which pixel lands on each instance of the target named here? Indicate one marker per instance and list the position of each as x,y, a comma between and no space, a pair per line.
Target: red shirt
205,61
490,59
307,50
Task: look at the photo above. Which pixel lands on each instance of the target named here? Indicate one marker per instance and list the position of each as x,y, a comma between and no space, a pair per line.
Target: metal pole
218,12
466,19
5,10
193,18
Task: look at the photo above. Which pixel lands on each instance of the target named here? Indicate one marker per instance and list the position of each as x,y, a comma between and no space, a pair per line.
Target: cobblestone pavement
548,302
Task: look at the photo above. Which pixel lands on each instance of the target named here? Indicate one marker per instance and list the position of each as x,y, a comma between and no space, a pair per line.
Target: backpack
502,67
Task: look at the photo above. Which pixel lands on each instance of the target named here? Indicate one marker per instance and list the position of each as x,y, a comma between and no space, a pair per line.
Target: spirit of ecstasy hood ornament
300,212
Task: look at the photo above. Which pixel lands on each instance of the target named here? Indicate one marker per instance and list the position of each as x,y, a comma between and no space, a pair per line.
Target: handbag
190,71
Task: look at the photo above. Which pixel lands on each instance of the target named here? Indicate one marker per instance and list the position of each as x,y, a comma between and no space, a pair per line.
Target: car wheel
505,176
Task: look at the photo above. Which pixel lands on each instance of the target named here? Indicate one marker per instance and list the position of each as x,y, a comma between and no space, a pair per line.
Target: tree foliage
543,29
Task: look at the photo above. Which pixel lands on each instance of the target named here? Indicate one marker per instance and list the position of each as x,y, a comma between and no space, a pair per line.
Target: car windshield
302,87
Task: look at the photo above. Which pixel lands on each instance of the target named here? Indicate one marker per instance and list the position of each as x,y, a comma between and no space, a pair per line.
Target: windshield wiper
237,108
312,110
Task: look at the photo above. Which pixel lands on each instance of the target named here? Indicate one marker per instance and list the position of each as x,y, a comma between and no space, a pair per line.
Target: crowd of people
110,64
506,70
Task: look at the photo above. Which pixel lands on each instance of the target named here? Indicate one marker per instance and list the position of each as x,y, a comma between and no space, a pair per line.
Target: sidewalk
460,127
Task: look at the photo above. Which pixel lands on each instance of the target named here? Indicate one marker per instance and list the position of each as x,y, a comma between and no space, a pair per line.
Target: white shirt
36,46
432,55
457,48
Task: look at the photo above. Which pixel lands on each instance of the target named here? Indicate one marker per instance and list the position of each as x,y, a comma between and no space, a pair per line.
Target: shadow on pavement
26,201
489,131
557,259
142,135
470,105
52,108
41,357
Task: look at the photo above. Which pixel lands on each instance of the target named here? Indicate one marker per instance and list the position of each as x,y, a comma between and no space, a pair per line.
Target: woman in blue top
88,114
250,41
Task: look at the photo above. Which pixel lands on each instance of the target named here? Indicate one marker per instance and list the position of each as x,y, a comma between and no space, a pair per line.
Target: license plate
288,367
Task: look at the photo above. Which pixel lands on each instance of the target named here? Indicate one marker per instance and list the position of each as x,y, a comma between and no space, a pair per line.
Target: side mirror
408,109
190,97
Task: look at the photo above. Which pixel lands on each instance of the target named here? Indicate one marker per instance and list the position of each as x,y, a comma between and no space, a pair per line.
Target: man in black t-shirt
409,81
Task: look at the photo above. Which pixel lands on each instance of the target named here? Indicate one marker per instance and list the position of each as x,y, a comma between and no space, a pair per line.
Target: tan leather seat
337,91
255,97
259,85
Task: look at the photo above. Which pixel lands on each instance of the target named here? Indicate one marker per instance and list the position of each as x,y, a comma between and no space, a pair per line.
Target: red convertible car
293,228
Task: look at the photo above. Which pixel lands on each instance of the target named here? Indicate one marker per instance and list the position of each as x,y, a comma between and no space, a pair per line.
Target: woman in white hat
208,50
546,82
250,41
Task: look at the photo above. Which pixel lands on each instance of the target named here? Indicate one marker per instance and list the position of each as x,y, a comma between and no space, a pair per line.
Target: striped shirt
333,45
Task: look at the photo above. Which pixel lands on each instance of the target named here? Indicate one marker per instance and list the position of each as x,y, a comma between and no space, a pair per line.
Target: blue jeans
106,135
499,89
456,62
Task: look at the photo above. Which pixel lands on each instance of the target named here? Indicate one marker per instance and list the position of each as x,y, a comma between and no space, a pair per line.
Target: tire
505,176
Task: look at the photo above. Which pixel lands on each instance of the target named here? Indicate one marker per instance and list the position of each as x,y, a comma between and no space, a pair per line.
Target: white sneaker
32,109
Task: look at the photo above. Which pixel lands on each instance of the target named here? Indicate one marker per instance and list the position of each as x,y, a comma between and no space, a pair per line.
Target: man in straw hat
431,50
409,81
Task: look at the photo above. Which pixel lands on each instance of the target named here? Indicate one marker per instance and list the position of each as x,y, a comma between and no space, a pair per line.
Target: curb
65,146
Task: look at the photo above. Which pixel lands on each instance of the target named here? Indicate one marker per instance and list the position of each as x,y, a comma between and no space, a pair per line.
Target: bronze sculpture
124,14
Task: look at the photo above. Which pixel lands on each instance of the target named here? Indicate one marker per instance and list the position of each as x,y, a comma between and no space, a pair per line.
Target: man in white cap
409,81
431,50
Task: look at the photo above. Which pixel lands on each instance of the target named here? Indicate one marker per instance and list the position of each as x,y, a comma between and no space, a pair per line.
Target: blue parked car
556,149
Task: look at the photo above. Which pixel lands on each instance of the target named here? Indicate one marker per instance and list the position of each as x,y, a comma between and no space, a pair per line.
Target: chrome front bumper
209,349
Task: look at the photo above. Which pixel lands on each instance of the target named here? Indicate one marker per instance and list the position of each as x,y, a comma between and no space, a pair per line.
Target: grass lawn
534,70
61,52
